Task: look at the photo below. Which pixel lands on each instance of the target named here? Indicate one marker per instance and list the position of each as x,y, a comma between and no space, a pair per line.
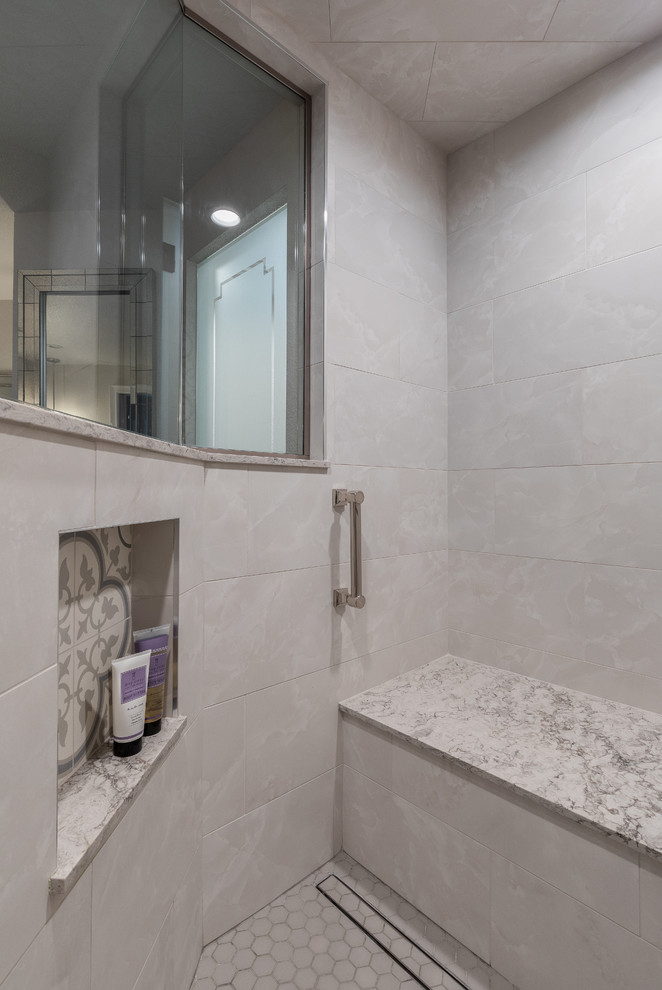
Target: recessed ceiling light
225,218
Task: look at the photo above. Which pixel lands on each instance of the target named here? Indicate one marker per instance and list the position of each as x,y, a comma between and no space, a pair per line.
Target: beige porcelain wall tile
310,16
594,317
382,150
609,113
257,634
601,513
370,20
377,238
501,80
186,925
471,183
223,764
542,939
377,421
367,751
423,516
423,337
224,545
470,347
651,901
535,603
59,957
363,322
291,734
376,822
573,21
248,863
449,136
517,424
622,411
33,465
157,844
536,240
623,205
589,676
157,971
191,652
592,869
289,520
400,71
471,510
28,811
624,618
158,489
154,560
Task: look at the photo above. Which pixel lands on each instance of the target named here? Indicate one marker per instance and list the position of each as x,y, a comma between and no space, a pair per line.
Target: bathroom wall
555,362
248,802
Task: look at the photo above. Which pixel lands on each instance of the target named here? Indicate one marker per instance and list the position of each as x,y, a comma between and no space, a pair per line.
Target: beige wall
249,801
555,421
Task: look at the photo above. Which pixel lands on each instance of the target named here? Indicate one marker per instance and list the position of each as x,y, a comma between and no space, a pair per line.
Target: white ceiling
457,69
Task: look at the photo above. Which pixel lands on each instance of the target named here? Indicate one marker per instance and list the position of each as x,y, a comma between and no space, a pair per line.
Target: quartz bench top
594,761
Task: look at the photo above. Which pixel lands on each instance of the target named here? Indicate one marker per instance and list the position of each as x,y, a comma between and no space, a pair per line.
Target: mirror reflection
126,297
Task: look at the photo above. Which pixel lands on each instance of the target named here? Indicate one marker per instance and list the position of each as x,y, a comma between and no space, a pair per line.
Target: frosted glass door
242,341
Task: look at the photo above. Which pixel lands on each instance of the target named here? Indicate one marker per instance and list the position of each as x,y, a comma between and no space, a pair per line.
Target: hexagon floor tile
303,941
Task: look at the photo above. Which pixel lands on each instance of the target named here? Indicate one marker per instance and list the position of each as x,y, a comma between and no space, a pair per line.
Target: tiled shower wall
263,657
555,364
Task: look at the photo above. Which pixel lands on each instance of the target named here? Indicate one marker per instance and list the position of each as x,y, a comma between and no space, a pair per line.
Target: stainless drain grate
415,961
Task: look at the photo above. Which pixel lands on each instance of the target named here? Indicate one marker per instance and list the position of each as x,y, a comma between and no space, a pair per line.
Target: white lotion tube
129,676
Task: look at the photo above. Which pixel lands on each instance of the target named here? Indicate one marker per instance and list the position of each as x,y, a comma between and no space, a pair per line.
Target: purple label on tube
157,667
133,684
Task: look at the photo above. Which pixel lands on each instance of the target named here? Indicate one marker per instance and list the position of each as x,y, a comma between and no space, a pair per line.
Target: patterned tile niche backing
94,627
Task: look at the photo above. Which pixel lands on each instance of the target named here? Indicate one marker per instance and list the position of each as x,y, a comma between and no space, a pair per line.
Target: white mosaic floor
302,941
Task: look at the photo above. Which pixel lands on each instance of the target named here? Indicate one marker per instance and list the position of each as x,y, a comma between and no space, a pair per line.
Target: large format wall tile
623,411
604,314
624,212
470,347
223,764
249,862
540,936
533,422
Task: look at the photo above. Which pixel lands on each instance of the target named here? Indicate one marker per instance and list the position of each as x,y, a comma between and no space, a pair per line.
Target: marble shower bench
522,817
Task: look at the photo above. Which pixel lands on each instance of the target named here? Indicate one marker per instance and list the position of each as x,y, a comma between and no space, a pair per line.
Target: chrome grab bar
341,596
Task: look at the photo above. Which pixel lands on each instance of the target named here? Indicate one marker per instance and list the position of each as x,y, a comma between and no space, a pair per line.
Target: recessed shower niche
111,581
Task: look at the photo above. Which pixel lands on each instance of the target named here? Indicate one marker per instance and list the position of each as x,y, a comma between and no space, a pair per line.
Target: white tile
423,514
367,751
604,314
28,811
310,16
501,80
471,510
370,20
224,544
602,513
59,957
449,136
377,823
622,411
624,618
258,634
470,347
471,178
624,212
290,517
33,465
536,603
651,901
542,938
423,333
186,925
223,764
594,870
398,74
605,115
157,971
377,238
573,21
363,324
249,862
191,620
538,239
377,421
526,423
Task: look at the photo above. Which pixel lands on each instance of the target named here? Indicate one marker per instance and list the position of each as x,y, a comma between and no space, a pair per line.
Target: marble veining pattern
93,802
592,760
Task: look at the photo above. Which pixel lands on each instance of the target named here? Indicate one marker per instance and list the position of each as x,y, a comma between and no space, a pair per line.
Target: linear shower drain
415,961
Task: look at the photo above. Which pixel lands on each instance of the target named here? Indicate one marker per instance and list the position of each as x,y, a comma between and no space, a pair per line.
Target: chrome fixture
341,596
